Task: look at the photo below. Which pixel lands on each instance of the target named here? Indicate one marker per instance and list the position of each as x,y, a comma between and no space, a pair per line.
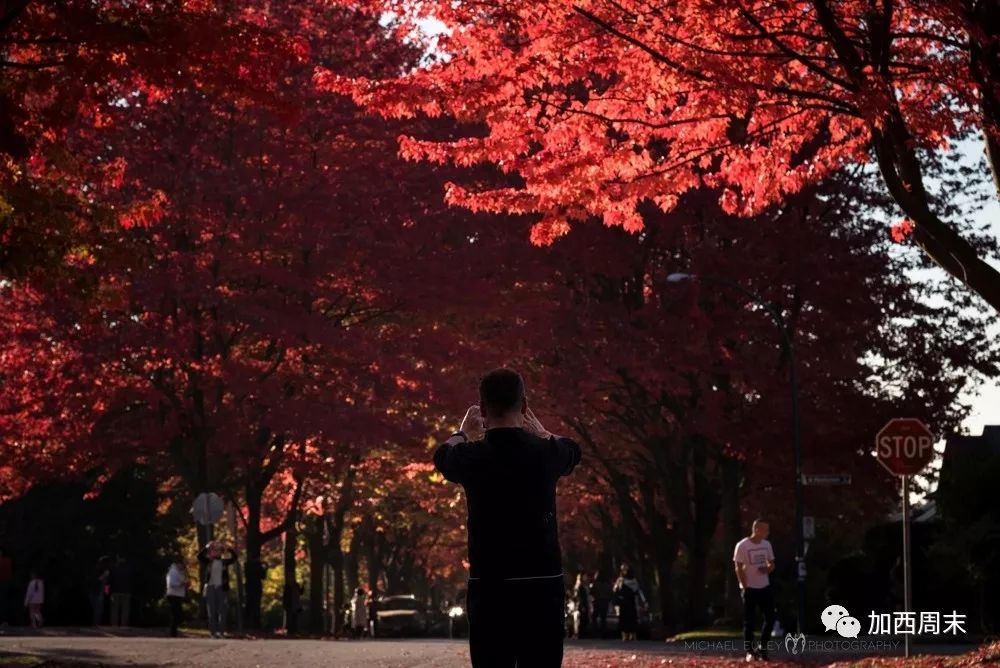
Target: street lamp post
800,557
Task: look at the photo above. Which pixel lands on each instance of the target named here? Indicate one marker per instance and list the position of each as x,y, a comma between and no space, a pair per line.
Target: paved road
208,653
144,652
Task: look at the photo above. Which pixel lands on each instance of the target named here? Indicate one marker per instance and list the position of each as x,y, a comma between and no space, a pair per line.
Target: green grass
707,634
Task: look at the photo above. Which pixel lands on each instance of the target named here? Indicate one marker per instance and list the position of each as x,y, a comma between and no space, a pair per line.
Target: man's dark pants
601,615
516,623
753,599
176,611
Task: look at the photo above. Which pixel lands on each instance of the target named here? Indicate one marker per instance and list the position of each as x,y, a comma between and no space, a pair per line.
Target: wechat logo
836,618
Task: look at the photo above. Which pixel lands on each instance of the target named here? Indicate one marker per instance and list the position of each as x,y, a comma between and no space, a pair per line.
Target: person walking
753,560
215,558
120,583
359,612
629,597
581,594
509,465
601,593
34,599
177,585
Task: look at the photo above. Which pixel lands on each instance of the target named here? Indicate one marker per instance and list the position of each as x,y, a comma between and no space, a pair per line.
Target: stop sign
207,508
904,446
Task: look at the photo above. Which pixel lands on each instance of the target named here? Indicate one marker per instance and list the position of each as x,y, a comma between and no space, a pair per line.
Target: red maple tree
600,105
68,67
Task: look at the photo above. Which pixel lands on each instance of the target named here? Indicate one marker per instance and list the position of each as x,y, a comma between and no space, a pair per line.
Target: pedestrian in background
177,585
629,597
216,557
97,589
601,593
34,599
120,583
359,612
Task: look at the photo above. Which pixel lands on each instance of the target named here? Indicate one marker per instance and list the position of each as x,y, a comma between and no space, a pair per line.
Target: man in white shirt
177,584
753,559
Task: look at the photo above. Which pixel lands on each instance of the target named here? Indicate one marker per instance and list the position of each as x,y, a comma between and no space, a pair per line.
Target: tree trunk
706,504
902,172
337,559
695,613
632,536
664,543
255,571
204,532
290,597
352,564
732,530
256,537
317,565
373,558
335,523
664,582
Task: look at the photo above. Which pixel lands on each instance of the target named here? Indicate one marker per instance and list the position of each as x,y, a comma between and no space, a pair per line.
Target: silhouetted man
516,597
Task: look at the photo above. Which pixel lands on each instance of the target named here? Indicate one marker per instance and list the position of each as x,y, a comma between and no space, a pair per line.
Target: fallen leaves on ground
985,655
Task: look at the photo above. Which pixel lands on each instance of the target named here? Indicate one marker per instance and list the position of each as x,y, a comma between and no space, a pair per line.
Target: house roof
959,446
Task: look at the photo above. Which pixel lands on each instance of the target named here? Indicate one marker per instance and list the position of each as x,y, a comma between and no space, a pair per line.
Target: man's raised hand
472,423
534,425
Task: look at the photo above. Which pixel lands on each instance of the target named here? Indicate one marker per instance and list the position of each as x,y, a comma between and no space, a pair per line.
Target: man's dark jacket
510,487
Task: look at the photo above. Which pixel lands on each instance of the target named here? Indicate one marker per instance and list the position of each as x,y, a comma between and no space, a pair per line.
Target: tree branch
791,53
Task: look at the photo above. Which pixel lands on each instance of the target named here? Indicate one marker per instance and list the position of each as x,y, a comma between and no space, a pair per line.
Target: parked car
402,616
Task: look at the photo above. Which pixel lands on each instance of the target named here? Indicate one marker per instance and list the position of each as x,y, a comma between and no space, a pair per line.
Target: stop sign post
904,447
